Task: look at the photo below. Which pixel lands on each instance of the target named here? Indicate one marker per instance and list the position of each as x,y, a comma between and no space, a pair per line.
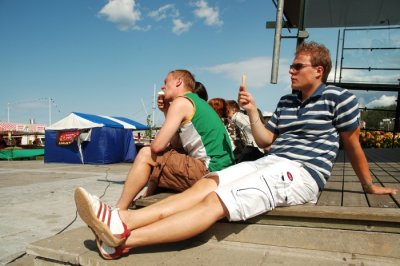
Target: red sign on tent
67,137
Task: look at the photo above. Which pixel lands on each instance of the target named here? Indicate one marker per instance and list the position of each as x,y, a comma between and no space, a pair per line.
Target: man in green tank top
191,143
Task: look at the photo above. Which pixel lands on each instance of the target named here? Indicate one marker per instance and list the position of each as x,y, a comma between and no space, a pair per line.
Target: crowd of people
193,153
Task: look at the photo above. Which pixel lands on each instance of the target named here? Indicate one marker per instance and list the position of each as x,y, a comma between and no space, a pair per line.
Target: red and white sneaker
101,218
110,253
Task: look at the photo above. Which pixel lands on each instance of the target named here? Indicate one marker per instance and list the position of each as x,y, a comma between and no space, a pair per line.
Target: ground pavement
347,227
36,199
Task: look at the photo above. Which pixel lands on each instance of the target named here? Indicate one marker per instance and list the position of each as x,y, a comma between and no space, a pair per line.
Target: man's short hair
319,54
186,76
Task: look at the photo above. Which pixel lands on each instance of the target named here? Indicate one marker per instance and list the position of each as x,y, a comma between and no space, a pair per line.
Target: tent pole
49,111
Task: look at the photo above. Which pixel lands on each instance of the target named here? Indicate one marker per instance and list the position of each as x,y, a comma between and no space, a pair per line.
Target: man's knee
207,184
144,154
212,199
213,203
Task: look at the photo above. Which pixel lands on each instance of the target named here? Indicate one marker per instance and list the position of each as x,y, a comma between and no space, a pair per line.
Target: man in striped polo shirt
304,132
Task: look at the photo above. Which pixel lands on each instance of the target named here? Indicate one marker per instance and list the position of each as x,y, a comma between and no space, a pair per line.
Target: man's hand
161,103
245,99
378,190
262,136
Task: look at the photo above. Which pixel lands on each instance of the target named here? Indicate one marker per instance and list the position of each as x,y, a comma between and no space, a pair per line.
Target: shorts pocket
253,201
280,185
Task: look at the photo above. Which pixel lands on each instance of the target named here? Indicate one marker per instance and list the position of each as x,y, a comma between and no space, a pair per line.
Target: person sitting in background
220,107
246,148
241,120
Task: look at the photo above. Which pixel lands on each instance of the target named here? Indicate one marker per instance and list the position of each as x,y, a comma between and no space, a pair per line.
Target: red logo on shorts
289,175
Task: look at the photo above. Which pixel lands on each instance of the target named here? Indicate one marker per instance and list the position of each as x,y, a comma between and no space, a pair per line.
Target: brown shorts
177,171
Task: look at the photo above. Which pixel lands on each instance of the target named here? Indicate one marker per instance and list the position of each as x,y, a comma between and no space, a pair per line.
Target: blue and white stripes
308,132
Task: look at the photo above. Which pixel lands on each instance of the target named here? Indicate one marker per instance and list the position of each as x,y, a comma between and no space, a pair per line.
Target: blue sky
105,57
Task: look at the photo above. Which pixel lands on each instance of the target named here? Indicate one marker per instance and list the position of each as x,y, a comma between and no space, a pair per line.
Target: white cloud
382,101
209,14
163,12
361,101
123,13
257,70
180,26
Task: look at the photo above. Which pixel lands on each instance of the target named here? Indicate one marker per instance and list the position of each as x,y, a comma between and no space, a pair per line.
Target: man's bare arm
360,164
178,111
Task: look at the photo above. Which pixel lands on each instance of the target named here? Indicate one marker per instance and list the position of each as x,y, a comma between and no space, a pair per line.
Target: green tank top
205,137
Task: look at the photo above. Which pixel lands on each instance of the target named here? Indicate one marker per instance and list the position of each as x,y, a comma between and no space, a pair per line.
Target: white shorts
251,188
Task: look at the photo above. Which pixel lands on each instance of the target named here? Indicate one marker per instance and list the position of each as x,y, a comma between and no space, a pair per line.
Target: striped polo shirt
308,132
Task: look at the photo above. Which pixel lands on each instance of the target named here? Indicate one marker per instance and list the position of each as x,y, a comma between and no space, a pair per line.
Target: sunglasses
299,66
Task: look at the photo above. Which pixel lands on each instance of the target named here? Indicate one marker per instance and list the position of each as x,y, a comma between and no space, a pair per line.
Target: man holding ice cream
189,123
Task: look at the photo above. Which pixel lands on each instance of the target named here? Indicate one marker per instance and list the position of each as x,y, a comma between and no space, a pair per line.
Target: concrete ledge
332,240
227,244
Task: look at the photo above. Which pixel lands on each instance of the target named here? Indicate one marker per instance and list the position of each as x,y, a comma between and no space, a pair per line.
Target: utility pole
50,111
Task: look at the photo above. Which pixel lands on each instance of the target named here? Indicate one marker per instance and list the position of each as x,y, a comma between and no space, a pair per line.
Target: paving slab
36,199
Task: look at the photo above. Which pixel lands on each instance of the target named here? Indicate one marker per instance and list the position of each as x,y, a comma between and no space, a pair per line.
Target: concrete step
378,244
233,244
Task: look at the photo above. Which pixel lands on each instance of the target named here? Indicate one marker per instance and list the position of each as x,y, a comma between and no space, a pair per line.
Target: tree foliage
373,118
149,132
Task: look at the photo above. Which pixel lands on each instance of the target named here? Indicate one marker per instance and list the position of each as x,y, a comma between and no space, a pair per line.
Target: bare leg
169,206
181,225
137,178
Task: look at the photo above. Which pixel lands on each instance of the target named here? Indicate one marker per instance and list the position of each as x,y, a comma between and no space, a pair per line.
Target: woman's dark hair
201,90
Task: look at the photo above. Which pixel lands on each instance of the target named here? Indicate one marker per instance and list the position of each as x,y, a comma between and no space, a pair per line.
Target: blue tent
91,139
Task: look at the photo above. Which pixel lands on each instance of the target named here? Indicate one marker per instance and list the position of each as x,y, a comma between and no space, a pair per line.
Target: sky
107,57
